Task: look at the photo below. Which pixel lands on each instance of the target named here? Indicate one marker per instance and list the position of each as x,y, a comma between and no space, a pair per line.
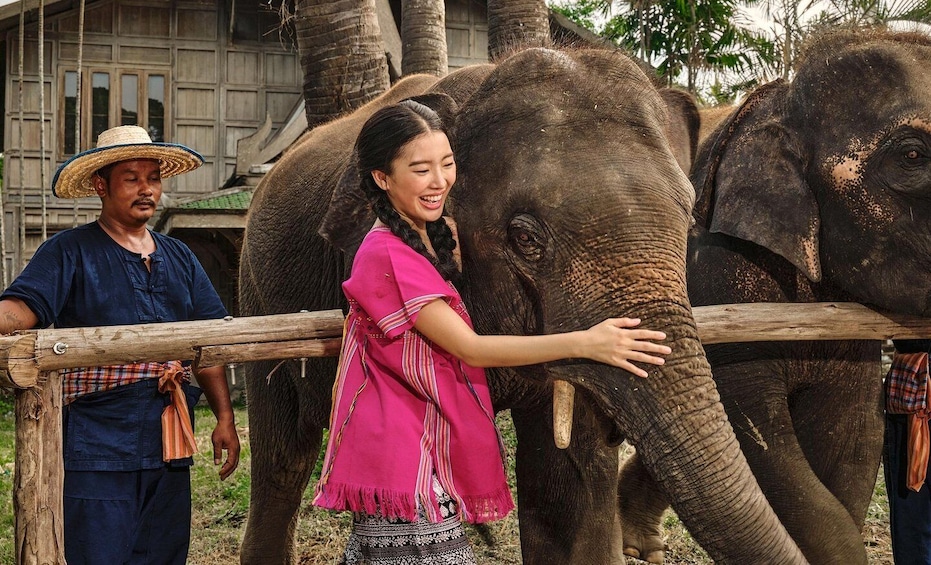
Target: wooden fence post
39,474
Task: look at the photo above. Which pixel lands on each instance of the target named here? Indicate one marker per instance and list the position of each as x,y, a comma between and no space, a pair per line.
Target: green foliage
585,13
691,36
873,12
791,22
684,39
719,93
680,37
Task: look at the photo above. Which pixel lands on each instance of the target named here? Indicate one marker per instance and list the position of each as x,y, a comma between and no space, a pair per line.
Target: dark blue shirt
81,277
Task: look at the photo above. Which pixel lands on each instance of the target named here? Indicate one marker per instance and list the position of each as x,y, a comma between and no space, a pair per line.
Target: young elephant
814,190
570,207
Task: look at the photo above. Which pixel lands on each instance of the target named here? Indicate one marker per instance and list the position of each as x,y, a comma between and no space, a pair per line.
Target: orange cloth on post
919,438
918,448
178,439
907,392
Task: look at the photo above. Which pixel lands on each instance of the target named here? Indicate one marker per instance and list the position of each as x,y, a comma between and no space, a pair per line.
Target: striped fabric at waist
85,380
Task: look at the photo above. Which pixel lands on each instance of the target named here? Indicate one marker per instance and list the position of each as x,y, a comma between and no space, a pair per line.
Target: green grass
7,443
220,510
220,507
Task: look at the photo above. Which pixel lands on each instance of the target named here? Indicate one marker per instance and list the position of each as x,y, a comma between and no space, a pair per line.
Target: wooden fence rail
28,362
24,356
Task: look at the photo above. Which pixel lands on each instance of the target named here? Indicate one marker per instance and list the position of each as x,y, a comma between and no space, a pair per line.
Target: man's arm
15,315
213,382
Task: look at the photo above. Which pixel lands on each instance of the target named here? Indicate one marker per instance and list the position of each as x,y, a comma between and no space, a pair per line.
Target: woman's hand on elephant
613,342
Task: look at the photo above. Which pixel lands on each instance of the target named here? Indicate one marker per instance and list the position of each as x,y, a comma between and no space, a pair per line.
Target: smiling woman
411,364
419,178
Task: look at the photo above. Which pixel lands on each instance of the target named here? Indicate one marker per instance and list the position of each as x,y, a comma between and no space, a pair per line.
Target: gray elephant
570,206
814,190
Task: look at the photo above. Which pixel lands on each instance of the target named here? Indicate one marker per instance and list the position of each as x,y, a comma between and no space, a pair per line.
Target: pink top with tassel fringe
404,409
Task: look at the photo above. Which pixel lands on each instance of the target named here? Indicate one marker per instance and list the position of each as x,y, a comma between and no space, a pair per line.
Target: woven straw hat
122,143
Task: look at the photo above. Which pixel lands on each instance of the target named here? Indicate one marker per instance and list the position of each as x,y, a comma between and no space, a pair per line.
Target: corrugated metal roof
225,200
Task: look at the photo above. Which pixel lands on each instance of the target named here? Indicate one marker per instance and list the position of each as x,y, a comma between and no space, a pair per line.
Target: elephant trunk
677,423
697,460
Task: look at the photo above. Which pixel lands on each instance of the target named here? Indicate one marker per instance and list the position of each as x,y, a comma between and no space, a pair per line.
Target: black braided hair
382,138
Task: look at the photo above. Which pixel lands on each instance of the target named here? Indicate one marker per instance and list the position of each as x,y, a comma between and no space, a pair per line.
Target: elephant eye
913,151
527,237
914,158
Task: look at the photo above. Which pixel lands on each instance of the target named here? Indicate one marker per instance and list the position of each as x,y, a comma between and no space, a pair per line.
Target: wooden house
205,73
197,72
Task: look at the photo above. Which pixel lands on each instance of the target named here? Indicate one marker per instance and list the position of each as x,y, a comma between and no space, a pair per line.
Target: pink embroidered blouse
404,409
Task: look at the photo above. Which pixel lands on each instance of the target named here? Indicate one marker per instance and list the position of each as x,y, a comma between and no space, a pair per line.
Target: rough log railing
28,362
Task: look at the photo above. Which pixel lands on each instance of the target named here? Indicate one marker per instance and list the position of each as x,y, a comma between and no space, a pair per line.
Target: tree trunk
423,37
342,56
515,25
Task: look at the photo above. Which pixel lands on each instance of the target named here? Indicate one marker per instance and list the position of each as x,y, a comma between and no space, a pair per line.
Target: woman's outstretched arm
612,342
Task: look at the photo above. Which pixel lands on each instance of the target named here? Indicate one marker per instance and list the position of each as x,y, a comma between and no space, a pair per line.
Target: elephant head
832,171
818,190
571,207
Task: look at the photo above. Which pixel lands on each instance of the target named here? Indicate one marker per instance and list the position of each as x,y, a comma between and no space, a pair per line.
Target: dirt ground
682,549
326,545
321,535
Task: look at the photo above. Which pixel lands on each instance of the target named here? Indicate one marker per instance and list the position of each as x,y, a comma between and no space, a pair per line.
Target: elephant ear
349,214
442,104
682,125
750,182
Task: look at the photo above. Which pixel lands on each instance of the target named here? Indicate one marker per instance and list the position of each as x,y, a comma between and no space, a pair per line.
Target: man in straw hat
128,436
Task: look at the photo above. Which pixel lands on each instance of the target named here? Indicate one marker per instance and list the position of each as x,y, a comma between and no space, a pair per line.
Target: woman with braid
413,450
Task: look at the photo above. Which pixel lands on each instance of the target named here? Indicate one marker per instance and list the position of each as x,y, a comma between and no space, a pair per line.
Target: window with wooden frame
111,97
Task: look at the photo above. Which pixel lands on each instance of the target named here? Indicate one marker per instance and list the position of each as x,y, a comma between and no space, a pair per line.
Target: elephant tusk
563,406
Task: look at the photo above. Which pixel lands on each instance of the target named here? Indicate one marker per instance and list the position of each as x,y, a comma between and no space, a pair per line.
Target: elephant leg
839,424
755,398
567,509
641,504
284,448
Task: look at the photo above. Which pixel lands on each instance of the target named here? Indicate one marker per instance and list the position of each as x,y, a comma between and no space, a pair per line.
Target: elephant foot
647,547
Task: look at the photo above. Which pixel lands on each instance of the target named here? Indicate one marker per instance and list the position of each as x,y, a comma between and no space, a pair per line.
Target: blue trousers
909,511
119,517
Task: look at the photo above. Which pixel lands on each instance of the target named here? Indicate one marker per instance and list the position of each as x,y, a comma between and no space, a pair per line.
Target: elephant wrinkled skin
817,190
571,207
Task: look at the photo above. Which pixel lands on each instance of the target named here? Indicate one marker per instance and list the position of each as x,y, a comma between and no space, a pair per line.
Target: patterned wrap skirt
379,541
